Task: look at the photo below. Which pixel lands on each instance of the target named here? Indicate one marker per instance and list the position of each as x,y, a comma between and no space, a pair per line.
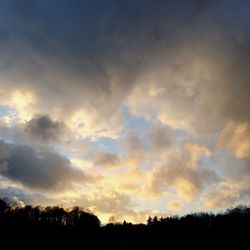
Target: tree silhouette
3,206
63,227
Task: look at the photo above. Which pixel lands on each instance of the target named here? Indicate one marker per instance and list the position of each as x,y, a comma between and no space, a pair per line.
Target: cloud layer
145,100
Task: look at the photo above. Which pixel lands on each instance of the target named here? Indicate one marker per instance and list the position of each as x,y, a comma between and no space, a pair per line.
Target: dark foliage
53,226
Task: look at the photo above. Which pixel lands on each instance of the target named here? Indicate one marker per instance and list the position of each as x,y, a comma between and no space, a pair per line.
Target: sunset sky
125,108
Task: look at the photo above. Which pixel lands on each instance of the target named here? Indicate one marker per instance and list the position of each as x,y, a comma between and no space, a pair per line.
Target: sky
125,108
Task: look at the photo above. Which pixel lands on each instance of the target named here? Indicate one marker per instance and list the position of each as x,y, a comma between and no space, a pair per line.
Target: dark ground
53,227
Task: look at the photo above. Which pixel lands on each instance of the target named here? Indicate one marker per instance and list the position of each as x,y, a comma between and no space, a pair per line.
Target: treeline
38,227
76,228
56,216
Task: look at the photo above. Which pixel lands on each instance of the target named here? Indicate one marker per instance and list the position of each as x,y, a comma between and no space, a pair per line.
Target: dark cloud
40,168
61,50
44,129
4,151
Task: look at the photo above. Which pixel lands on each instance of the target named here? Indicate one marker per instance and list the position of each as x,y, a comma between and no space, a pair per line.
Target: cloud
236,138
107,160
96,160
40,168
114,207
161,137
175,205
199,90
233,188
102,203
43,129
195,152
223,196
134,151
4,151
14,201
133,143
183,174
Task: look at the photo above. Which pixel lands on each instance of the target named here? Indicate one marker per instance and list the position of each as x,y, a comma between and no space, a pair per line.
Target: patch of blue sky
215,162
5,110
210,163
103,144
108,145
136,124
